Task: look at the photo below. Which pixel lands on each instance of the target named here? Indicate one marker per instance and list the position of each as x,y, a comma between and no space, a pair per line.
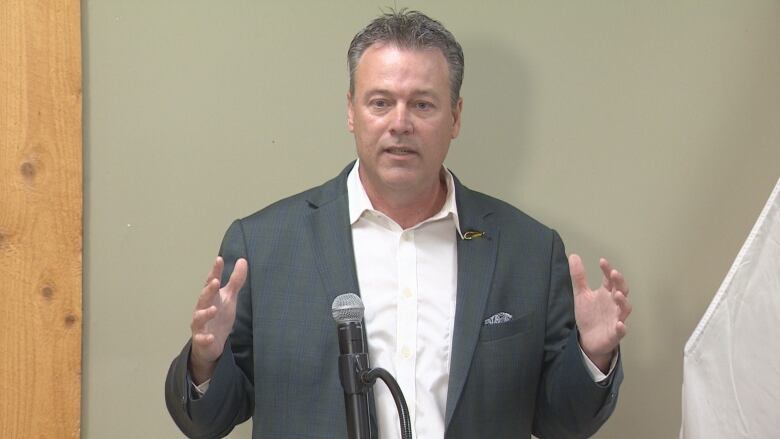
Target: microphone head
347,308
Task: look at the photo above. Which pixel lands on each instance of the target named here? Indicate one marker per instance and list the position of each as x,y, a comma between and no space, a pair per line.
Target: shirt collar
359,203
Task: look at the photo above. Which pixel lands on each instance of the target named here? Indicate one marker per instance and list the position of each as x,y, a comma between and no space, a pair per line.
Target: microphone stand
354,373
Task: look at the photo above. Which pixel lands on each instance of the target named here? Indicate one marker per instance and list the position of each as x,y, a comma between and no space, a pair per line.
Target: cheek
366,138
370,129
440,132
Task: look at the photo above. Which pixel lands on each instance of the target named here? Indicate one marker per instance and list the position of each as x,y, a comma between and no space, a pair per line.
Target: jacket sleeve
230,396
569,403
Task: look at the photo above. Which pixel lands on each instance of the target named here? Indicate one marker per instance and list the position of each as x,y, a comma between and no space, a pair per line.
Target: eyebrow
384,91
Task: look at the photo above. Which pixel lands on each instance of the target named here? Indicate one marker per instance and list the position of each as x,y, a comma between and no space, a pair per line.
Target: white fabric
408,282
731,376
594,371
201,388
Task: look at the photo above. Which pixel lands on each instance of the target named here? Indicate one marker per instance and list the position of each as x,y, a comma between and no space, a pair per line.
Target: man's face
402,118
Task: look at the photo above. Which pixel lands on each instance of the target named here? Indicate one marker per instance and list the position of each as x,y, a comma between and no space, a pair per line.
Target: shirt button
407,293
406,352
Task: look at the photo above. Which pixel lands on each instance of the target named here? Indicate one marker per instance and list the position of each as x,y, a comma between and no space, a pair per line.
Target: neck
408,208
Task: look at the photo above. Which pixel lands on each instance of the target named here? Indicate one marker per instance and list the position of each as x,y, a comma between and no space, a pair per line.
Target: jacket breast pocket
517,325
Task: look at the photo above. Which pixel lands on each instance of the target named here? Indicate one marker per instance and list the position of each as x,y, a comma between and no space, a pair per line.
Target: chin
400,184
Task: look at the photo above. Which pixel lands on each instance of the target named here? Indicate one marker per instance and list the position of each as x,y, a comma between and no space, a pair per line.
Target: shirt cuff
200,390
595,373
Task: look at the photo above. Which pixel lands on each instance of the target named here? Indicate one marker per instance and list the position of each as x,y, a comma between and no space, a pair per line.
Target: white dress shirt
408,281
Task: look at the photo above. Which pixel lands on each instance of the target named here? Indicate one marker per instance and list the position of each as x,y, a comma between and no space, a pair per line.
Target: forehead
383,62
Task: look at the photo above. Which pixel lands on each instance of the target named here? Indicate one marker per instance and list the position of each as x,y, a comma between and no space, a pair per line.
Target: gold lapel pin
471,234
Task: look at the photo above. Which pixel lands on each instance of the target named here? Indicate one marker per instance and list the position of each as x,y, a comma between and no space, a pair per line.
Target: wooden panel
40,218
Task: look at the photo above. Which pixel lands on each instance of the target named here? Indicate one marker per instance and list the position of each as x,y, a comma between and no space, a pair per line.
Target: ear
350,113
456,111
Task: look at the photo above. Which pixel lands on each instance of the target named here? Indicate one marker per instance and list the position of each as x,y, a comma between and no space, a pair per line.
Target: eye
424,106
379,103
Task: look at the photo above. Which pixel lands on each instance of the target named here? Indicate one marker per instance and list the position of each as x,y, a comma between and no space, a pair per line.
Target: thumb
237,277
578,278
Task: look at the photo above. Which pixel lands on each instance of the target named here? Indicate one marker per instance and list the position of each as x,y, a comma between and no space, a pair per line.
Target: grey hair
409,30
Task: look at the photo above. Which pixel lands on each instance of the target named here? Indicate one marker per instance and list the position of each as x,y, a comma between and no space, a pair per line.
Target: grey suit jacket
280,362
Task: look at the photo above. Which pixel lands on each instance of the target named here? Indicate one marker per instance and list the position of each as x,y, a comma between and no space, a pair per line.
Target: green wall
644,131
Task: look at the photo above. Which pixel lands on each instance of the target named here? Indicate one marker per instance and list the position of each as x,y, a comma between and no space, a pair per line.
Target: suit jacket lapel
476,262
331,236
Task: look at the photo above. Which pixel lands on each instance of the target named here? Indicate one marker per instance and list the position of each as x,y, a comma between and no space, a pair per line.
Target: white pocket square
496,319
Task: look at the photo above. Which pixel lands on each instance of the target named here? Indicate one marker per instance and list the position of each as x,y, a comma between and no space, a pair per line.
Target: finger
606,269
237,277
200,317
207,294
619,282
621,330
578,278
624,306
216,270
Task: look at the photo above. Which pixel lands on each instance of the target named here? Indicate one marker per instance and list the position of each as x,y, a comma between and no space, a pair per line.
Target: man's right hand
213,319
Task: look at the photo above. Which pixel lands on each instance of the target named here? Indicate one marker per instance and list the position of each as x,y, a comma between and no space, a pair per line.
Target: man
469,302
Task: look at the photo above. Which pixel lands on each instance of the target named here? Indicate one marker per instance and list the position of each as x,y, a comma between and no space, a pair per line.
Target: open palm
601,313
214,315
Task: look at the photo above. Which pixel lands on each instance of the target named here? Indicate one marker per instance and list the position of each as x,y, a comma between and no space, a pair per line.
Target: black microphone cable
369,377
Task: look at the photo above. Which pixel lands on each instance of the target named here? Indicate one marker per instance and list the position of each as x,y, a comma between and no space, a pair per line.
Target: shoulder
474,205
289,213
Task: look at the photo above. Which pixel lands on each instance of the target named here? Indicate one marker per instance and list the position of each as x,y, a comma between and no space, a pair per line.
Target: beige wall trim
40,218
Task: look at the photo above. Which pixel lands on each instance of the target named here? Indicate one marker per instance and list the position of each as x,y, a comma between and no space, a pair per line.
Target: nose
401,122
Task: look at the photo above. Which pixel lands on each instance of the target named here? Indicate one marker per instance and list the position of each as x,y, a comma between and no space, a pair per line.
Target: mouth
399,150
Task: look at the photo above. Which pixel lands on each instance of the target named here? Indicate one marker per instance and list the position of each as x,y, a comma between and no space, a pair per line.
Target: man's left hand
601,313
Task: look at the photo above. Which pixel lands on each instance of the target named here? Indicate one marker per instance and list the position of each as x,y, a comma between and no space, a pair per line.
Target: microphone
347,310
